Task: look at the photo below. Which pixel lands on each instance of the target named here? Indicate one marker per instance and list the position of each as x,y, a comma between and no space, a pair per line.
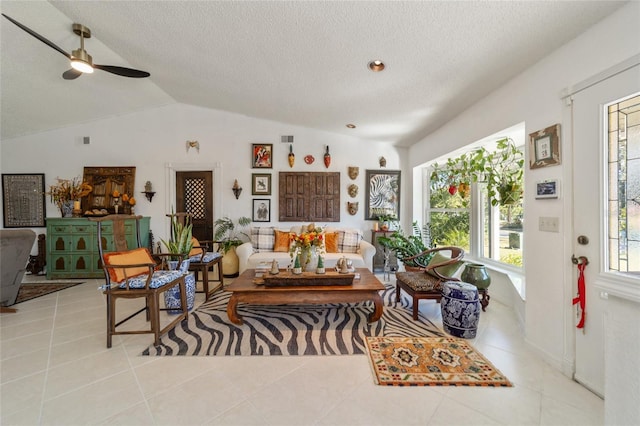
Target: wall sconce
236,189
148,191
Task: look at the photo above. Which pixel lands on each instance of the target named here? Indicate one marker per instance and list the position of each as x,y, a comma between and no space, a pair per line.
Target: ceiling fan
81,61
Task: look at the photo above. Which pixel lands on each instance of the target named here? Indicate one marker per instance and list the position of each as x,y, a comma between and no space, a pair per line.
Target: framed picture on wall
260,184
382,196
544,147
23,199
261,210
262,155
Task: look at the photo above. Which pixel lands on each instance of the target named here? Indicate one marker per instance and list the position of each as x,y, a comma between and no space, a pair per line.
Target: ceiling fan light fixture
81,61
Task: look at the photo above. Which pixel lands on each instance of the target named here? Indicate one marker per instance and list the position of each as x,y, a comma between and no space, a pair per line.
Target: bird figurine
193,144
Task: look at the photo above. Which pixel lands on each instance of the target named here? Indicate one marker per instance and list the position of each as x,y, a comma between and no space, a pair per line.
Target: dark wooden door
194,195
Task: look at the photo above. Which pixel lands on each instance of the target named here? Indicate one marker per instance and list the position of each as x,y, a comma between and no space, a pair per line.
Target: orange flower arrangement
305,241
115,194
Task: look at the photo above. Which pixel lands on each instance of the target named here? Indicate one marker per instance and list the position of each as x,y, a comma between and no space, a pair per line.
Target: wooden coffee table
244,290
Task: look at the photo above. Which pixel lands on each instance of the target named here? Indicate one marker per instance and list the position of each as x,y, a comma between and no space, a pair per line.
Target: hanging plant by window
500,169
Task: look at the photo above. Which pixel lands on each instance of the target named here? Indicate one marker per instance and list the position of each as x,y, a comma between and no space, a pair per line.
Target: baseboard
553,361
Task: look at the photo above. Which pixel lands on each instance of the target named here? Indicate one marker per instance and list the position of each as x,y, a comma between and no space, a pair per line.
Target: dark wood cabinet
309,197
378,258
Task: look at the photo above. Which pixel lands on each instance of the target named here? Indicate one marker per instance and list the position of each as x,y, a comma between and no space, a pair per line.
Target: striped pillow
262,239
348,241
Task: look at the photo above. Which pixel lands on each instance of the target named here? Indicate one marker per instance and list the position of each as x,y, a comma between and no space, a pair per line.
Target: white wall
149,140
534,97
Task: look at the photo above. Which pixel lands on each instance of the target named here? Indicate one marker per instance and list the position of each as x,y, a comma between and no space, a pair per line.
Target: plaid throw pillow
348,241
262,239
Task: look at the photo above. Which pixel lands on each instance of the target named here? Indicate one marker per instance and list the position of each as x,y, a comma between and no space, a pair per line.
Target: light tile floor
56,370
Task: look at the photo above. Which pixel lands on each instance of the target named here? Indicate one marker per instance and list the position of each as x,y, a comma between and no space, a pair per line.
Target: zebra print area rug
329,329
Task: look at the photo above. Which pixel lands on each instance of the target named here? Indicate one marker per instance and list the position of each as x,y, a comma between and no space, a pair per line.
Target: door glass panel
624,185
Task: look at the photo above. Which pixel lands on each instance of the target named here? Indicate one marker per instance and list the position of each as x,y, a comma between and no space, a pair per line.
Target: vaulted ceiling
301,63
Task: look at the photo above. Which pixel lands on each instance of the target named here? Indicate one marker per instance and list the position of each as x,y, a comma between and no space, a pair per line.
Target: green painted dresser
72,248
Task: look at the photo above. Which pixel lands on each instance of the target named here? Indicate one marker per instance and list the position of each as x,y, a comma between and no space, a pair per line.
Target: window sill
514,274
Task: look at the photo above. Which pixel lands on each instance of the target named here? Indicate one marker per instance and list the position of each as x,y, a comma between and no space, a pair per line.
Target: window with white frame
466,208
623,185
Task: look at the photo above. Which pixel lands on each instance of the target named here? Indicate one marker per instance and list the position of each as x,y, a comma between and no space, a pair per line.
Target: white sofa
249,257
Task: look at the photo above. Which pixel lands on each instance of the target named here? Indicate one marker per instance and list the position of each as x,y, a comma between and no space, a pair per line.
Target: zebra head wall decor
352,207
382,197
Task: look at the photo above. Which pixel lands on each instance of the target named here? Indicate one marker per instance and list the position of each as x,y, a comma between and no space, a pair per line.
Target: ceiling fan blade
38,36
71,74
125,72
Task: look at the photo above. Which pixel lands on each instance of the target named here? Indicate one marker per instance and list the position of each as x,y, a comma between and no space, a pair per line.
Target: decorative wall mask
327,158
352,207
383,162
193,144
292,156
353,190
309,159
353,172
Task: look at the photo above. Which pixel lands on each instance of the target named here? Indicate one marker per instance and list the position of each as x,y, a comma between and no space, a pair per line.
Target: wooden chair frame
432,284
115,291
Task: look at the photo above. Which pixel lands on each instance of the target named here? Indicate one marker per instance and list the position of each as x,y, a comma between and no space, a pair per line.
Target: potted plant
178,247
180,243
405,246
228,238
386,220
501,169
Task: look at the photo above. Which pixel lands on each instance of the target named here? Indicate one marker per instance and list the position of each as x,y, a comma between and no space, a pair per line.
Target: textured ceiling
302,63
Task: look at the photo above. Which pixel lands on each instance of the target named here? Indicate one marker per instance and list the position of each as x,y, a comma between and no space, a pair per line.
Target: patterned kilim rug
30,291
329,329
430,361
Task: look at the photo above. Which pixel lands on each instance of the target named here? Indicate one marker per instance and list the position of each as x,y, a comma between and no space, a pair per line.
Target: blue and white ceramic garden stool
172,296
460,306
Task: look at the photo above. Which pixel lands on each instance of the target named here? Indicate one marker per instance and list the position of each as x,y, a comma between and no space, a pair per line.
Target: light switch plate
549,224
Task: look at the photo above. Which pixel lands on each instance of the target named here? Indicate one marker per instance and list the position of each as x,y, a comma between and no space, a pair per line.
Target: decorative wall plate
309,159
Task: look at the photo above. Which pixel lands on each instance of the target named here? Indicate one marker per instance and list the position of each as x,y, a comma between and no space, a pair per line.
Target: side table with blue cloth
460,306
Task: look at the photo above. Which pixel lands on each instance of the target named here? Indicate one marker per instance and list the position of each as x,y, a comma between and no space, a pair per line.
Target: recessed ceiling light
351,126
376,65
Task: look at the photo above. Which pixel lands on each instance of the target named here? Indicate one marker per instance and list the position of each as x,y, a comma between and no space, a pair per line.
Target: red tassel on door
581,299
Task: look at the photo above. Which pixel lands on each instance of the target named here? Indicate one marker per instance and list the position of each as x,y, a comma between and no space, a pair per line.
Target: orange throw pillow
131,257
331,242
281,241
196,250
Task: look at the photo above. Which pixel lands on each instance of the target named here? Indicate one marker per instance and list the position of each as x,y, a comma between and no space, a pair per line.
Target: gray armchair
15,248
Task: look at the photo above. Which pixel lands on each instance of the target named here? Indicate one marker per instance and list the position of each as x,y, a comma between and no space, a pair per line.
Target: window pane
624,186
511,234
450,229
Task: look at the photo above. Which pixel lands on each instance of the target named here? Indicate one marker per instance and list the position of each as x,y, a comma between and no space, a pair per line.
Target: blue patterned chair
130,273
